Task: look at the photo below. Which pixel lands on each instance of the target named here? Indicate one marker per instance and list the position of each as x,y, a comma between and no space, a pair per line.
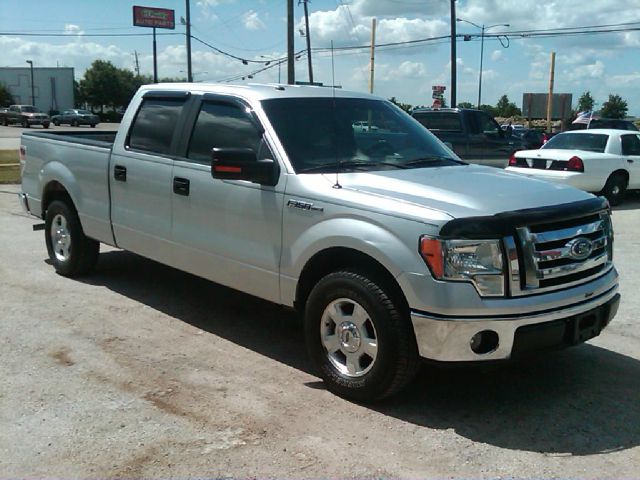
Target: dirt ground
140,370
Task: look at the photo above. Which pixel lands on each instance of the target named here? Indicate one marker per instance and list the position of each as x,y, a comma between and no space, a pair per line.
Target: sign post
155,18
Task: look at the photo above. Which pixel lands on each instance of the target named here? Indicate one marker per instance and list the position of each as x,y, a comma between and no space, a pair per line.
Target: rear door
631,150
140,176
228,231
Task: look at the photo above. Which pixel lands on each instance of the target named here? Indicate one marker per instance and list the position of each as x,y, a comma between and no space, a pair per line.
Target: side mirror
243,164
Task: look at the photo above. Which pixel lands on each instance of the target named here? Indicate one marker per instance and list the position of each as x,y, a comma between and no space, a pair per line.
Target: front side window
222,125
325,134
486,124
443,121
155,124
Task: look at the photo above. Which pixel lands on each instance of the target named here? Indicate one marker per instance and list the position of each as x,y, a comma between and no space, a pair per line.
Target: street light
33,96
482,28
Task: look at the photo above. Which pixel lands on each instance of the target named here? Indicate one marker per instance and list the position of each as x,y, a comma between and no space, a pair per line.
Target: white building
52,86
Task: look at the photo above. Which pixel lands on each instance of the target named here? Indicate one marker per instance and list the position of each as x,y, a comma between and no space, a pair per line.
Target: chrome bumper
448,339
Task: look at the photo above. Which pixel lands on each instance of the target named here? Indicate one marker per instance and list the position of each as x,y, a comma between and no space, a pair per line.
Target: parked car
600,160
388,245
472,134
25,115
530,137
76,117
611,123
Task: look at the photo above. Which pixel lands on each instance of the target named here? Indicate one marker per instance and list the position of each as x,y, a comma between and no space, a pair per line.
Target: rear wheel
70,251
359,338
5,122
615,188
74,123
25,123
56,123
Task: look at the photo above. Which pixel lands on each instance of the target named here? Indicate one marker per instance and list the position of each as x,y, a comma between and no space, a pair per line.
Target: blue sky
256,30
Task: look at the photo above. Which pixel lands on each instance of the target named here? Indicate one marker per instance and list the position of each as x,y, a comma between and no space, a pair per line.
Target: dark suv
472,134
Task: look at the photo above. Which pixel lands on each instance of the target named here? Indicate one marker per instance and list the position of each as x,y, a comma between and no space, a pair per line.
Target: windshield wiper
360,164
430,160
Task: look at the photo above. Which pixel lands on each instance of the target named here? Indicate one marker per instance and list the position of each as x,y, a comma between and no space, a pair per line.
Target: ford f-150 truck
389,246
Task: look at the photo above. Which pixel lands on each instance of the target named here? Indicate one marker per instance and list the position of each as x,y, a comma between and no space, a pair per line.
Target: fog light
484,342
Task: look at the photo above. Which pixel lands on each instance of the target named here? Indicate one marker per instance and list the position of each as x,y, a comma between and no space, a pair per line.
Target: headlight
477,261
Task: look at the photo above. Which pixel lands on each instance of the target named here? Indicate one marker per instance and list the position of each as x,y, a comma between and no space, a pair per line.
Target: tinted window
222,125
326,135
485,123
592,142
449,121
630,145
155,124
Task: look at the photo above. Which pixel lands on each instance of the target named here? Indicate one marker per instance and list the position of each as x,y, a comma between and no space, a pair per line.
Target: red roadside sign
153,17
437,103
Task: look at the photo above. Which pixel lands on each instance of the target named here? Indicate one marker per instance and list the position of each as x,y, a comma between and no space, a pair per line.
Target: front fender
395,253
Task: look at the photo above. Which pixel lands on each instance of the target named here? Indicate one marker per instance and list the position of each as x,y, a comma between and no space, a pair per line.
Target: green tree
505,108
585,102
466,105
105,85
6,98
490,109
407,107
615,107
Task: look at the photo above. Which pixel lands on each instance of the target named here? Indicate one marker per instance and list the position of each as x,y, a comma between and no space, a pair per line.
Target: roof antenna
333,90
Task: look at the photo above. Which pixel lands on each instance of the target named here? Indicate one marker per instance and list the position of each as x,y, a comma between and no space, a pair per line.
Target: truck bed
97,138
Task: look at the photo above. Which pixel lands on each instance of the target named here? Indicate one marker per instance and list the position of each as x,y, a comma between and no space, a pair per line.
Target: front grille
552,256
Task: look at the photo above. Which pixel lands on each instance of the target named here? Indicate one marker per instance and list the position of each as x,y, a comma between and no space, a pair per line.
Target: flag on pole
584,117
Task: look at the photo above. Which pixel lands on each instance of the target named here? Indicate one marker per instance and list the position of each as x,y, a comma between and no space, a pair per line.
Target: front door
228,231
631,151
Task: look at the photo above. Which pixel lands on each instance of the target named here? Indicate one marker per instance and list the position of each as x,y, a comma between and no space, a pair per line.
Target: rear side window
222,125
155,123
630,144
439,120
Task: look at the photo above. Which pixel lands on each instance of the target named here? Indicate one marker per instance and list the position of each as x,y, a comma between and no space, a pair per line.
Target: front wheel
70,251
615,188
25,123
359,337
74,123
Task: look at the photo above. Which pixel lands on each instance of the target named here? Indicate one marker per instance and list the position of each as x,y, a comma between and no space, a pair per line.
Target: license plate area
585,327
539,163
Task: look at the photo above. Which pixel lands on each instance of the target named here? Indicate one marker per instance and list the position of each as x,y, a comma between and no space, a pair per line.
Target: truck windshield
322,135
591,142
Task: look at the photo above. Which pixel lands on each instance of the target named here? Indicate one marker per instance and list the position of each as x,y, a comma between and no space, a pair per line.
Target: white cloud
497,55
251,21
71,29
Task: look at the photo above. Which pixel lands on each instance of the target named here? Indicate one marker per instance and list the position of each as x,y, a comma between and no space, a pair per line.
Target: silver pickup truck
389,246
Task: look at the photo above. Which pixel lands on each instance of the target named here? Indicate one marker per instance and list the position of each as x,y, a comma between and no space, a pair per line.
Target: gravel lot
142,370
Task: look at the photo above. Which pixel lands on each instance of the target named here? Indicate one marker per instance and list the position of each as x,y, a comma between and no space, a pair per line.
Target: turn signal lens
431,251
512,160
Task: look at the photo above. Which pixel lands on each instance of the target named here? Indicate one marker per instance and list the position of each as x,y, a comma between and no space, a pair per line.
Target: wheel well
340,258
55,191
622,173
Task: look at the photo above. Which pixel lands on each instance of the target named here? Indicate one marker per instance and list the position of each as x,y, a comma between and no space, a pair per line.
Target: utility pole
188,20
454,63
306,22
135,53
33,90
550,99
155,58
373,54
291,74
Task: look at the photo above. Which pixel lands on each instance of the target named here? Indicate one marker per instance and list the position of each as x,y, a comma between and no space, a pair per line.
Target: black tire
5,122
396,359
74,123
615,188
93,125
81,252
25,123
56,123
45,125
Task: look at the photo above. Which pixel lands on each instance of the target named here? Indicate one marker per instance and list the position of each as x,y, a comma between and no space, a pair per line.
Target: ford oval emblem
579,248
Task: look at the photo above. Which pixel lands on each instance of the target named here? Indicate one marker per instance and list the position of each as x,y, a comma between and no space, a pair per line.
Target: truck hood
459,191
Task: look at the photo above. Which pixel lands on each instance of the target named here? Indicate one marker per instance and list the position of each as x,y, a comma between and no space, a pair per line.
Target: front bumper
38,121
448,339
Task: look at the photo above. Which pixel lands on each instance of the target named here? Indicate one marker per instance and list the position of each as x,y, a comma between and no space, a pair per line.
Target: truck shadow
581,401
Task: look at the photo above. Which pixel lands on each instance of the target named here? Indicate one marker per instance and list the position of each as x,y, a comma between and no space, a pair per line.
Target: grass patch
9,166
